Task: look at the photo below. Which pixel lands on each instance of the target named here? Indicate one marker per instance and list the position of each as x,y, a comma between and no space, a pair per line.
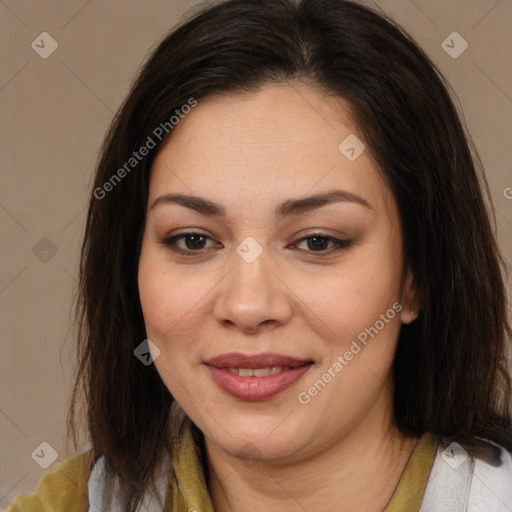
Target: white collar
458,483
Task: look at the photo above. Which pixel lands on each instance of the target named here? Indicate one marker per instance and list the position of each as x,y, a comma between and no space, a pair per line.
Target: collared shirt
64,489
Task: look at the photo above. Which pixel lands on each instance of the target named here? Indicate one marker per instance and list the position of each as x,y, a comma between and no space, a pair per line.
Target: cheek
172,308
170,299
349,298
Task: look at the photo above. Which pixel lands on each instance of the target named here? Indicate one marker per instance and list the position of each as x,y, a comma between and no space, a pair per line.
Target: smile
258,372
254,384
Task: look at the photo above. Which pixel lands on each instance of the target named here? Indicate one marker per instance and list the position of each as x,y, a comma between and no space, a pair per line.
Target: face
252,264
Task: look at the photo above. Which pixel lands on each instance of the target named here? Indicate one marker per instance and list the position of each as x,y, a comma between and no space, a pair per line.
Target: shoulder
63,489
480,480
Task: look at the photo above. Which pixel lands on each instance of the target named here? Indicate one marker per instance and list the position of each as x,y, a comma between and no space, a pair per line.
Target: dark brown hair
449,370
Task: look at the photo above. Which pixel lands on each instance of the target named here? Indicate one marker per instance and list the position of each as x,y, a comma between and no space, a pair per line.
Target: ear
410,300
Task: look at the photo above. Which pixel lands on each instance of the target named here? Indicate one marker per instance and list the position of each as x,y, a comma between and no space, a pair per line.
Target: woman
291,293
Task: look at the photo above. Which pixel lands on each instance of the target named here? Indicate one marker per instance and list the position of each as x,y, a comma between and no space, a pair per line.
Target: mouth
257,377
258,372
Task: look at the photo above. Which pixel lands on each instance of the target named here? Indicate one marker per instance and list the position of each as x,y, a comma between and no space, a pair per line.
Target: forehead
279,142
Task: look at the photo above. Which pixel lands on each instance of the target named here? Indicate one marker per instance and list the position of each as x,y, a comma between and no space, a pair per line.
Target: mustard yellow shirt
64,489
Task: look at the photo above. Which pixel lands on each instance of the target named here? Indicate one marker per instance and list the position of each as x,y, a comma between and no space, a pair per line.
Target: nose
252,297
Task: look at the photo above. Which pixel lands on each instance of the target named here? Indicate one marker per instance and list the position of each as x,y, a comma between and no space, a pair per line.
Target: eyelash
170,242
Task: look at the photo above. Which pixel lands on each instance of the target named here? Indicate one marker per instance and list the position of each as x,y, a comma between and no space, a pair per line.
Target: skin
249,153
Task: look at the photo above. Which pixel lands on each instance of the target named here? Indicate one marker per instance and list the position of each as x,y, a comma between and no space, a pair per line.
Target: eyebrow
287,208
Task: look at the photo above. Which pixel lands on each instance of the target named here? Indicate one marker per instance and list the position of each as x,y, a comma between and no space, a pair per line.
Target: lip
256,388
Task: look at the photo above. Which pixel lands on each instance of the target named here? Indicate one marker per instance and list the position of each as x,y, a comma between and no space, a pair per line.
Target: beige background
55,112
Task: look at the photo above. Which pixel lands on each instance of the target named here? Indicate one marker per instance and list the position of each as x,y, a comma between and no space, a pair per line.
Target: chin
256,437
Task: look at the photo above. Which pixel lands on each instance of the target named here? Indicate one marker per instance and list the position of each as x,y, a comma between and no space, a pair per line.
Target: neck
360,472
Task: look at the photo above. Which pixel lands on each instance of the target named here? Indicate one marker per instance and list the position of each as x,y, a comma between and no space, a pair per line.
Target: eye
317,242
193,242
